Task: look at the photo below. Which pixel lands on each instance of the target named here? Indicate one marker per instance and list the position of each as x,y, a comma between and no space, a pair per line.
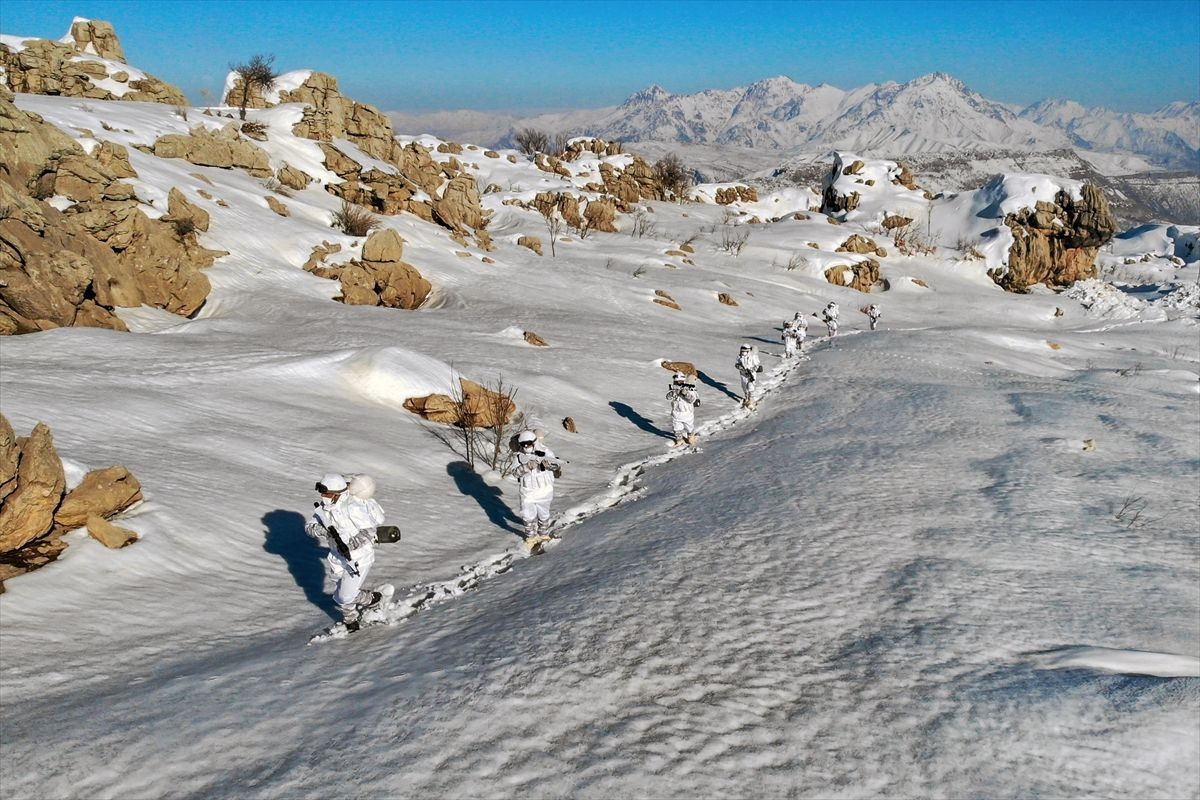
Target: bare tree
257,73
531,140
561,140
554,225
466,429
673,176
643,224
505,419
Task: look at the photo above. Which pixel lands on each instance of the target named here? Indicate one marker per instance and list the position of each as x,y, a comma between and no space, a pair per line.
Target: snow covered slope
951,557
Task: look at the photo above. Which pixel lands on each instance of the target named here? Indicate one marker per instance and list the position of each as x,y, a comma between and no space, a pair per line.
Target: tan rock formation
686,367
278,207
601,215
861,276
293,178
860,244
180,210
894,221
598,146
733,194
481,406
108,534
459,208
1056,243
664,299
535,340
223,148
28,510
381,277
724,298
102,493
70,69
569,425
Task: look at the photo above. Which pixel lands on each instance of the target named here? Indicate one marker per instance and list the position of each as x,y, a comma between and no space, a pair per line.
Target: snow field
904,575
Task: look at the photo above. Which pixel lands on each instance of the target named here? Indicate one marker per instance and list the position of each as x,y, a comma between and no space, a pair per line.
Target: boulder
459,208
10,456
861,276
569,425
535,340
893,221
733,194
601,215
860,244
98,37
724,298
278,207
102,493
180,210
481,406
664,299
108,534
293,178
686,367
223,148
28,510
1056,243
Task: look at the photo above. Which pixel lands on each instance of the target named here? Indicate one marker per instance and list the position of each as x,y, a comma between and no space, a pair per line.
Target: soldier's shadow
628,413
472,485
305,559
715,384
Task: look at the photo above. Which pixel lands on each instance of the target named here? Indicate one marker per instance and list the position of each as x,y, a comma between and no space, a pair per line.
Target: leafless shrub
531,140
689,241
1131,372
561,140
640,271
796,261
1132,513
258,73
180,111
495,439
554,225
467,431
733,239
673,176
643,224
911,241
354,220
254,129
273,184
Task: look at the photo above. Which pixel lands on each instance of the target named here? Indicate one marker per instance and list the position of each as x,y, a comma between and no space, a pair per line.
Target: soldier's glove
759,369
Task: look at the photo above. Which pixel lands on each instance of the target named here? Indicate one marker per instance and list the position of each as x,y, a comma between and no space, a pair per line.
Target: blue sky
525,56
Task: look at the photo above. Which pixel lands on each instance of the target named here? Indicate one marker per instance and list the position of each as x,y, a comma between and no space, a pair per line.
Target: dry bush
733,239
274,185
184,226
643,224
254,128
354,220
554,226
673,176
531,140
796,261
495,439
911,241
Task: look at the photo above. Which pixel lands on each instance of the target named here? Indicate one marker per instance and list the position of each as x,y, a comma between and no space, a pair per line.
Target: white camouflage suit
873,315
684,399
794,332
354,520
534,472
747,365
830,316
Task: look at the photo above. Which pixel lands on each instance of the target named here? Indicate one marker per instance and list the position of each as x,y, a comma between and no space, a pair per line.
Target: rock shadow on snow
305,559
637,419
468,481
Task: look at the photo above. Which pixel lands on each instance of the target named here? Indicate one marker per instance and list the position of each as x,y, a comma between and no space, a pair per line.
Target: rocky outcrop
293,178
601,215
734,194
637,181
725,299
860,244
222,148
75,69
72,267
686,367
380,278
1056,243
894,221
577,147
33,511
458,208
663,298
477,406
862,275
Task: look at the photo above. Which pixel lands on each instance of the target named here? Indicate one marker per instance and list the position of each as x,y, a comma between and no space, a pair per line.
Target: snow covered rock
870,191
222,148
862,275
109,535
381,278
1056,241
1104,300
87,62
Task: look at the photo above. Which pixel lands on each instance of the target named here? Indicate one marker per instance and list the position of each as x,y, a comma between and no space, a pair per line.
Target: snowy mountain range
932,113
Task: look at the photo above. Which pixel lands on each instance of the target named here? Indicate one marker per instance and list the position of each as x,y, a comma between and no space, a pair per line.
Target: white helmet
332,482
678,377
798,316
744,347
526,436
